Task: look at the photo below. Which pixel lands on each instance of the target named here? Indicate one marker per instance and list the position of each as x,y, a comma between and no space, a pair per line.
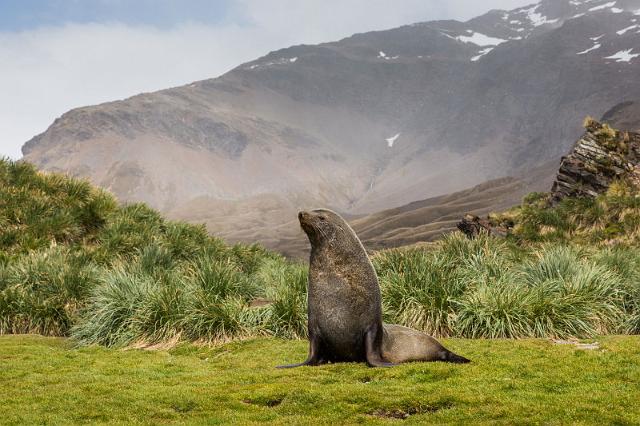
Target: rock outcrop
601,156
472,226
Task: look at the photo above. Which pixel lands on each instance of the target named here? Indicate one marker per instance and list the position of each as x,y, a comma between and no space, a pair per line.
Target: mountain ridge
464,102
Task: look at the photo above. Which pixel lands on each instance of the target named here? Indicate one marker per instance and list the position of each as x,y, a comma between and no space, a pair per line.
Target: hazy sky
60,54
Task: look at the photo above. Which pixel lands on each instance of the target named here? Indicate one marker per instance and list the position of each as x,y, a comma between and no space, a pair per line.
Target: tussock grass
43,292
73,262
481,288
610,219
286,292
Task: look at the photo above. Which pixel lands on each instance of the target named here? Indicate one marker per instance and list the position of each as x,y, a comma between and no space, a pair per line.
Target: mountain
367,123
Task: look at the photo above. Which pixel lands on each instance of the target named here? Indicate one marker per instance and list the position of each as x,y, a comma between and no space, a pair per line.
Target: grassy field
45,380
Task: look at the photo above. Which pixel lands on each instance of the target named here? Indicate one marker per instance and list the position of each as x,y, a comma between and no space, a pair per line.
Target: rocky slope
624,116
367,123
599,156
601,160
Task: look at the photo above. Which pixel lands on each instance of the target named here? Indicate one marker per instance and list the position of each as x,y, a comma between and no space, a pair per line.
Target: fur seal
344,304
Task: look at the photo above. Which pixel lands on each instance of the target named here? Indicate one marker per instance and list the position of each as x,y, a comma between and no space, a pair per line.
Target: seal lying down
345,309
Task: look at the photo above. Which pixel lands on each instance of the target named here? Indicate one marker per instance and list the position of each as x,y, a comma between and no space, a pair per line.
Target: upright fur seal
345,309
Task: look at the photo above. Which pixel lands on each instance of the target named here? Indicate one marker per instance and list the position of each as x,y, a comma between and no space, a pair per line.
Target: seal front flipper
372,347
449,356
313,358
302,364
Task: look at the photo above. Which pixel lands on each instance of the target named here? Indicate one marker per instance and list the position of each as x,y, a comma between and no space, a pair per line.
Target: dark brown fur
345,309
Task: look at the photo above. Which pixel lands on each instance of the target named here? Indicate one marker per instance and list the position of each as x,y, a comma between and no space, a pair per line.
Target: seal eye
323,218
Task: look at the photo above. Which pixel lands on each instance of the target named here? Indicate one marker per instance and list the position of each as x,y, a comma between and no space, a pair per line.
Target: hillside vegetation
75,263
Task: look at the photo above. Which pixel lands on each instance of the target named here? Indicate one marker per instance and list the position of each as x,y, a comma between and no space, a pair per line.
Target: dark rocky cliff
601,156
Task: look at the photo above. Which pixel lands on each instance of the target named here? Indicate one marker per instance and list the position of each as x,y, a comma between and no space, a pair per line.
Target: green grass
47,380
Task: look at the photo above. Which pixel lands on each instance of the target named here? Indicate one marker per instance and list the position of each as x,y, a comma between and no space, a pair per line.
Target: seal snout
303,216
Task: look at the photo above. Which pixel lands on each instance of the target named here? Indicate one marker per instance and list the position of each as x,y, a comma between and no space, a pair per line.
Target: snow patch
383,55
596,46
623,56
603,6
392,140
537,18
597,38
281,61
481,40
624,30
637,12
482,53
616,10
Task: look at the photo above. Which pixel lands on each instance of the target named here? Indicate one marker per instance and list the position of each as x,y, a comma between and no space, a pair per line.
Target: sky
56,55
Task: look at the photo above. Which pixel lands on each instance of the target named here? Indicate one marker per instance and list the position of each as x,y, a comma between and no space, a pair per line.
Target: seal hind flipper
402,344
372,349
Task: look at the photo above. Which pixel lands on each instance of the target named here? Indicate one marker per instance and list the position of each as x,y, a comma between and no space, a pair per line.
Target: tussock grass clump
570,296
111,315
609,219
42,292
494,311
485,289
37,209
216,302
421,289
286,294
419,294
